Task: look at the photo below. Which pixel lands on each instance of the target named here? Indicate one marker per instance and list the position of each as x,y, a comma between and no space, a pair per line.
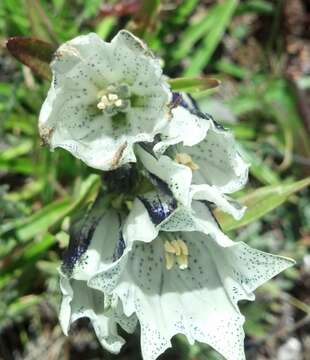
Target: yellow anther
118,103
169,260
182,261
185,159
169,248
103,103
112,97
183,247
176,246
108,100
176,250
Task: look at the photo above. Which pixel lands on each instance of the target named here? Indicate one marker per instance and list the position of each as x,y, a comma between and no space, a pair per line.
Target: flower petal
177,177
220,163
212,194
167,302
98,240
199,302
81,301
82,69
139,225
183,127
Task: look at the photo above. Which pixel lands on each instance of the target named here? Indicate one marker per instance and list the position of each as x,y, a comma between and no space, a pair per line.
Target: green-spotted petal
104,98
80,301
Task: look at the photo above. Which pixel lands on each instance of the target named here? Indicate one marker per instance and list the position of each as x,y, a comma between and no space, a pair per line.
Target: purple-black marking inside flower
120,245
159,210
80,238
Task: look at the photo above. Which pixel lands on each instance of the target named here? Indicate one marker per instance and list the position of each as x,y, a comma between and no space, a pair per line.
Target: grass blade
260,202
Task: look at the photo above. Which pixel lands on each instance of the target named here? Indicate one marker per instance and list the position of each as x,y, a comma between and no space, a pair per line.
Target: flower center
176,251
185,159
110,301
114,99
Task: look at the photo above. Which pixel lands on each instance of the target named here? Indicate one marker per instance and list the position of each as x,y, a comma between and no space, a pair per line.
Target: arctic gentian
104,98
178,273
149,249
94,241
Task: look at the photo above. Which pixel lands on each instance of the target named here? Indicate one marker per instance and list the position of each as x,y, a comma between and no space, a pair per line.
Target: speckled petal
220,163
139,225
213,195
105,245
199,302
184,127
81,301
177,177
82,69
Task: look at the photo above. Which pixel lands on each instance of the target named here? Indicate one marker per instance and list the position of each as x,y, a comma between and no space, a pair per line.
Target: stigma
176,252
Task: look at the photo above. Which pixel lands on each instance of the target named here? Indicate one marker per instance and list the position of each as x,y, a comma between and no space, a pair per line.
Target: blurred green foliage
39,190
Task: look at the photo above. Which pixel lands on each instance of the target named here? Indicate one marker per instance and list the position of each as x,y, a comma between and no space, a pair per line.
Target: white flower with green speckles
176,272
89,250
104,98
204,162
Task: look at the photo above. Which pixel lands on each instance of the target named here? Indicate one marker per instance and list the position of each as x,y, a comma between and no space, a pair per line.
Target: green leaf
183,10
255,6
193,84
36,54
23,304
30,254
13,152
220,20
260,202
52,214
40,23
105,27
260,169
193,33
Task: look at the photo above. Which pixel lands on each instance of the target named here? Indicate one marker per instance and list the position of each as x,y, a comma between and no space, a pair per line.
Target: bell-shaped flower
104,98
179,274
92,243
204,162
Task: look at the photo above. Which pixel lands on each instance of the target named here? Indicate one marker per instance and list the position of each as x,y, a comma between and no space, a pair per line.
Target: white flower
89,249
104,97
204,162
180,274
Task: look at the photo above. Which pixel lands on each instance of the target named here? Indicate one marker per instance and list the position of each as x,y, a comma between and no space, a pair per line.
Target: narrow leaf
35,53
40,23
32,252
52,214
210,42
260,202
193,84
193,33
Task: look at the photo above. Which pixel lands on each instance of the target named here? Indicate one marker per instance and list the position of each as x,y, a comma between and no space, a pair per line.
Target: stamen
185,159
176,250
182,261
118,103
176,246
169,261
114,99
183,247
169,248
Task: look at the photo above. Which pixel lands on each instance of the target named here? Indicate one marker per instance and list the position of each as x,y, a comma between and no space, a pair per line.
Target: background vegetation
261,53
